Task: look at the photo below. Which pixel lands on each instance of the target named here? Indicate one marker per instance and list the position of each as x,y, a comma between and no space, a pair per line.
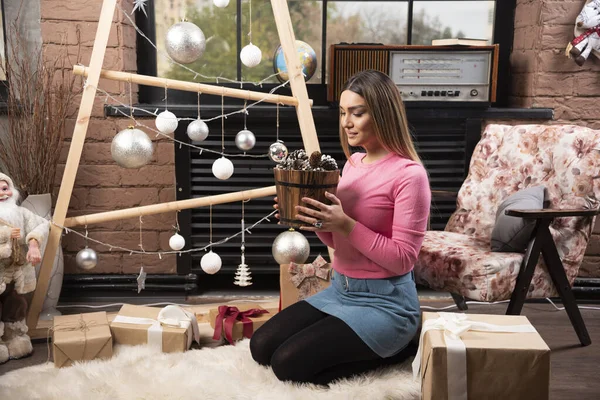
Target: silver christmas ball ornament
210,263
250,55
245,140
185,42
176,242
222,168
221,3
166,122
86,259
278,151
291,246
131,148
197,130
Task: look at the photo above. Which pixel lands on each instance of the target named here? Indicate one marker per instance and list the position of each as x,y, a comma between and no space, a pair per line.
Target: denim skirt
384,313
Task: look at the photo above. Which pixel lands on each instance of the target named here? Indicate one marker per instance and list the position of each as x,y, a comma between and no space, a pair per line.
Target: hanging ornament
139,5
242,275
278,151
131,148
291,246
185,42
250,55
221,3
176,242
222,168
86,259
197,130
210,263
245,140
166,122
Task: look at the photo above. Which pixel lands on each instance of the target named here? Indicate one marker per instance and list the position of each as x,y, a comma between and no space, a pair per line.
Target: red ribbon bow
228,316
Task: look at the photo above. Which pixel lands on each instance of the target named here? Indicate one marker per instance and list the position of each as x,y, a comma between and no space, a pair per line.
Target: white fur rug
225,372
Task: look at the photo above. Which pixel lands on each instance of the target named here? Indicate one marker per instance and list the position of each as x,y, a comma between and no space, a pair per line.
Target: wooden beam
297,83
73,158
190,86
166,207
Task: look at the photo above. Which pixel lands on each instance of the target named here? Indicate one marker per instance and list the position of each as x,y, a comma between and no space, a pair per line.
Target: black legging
303,344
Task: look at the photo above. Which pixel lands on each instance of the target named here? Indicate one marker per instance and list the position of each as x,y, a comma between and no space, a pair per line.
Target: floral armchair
562,158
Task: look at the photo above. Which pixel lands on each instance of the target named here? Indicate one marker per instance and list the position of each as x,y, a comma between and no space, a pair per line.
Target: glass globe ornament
131,148
197,130
176,242
166,122
250,55
185,42
245,140
278,151
221,3
210,263
290,246
86,258
222,168
307,57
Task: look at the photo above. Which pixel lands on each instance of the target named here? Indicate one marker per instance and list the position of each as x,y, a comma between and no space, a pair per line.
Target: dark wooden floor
575,369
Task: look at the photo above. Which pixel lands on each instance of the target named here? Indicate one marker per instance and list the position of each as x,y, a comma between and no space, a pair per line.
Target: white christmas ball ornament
245,140
185,42
176,242
166,122
291,246
250,55
222,168
86,259
197,130
221,3
131,148
210,263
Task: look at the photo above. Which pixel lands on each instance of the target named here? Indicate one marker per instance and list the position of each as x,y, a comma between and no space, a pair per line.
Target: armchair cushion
511,234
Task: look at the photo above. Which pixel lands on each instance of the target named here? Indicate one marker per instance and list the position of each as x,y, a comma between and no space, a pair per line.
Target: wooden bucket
292,186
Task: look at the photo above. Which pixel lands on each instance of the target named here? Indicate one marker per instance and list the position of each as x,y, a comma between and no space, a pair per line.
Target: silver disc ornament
245,140
131,148
86,258
185,42
291,246
197,130
278,151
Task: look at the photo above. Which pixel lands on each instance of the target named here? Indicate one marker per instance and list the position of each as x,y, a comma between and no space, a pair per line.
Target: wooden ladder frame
299,99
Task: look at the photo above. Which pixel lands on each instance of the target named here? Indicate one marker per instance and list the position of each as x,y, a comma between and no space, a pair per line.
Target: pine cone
315,159
328,163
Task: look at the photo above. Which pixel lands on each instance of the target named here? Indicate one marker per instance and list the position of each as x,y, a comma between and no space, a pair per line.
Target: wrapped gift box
236,321
299,281
171,328
496,361
80,337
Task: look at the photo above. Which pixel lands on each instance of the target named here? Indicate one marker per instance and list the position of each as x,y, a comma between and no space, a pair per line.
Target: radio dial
474,92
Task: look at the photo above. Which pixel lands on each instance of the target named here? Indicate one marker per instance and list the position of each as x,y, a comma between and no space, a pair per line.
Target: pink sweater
389,199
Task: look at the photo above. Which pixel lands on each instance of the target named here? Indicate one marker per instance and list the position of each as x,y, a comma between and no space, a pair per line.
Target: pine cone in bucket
298,176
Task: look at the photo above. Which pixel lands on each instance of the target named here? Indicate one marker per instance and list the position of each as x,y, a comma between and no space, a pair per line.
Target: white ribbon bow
454,325
170,316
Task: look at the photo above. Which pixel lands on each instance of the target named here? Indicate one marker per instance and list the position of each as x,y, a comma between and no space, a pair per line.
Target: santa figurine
21,236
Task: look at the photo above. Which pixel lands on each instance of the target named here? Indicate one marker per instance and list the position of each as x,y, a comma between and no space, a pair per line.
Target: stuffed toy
22,234
587,33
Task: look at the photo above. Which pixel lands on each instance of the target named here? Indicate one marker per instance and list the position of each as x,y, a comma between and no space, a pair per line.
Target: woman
376,225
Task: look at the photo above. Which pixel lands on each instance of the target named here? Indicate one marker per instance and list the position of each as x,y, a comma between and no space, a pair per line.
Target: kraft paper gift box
479,356
172,329
80,337
299,281
236,321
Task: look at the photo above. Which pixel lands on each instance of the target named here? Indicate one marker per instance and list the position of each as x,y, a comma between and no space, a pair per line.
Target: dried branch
40,93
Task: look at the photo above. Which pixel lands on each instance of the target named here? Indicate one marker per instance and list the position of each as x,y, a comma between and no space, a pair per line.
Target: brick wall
101,185
544,77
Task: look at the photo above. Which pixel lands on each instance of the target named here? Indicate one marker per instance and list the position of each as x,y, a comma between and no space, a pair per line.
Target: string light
159,253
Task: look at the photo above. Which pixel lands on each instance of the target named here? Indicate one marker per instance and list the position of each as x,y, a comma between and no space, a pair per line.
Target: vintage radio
422,73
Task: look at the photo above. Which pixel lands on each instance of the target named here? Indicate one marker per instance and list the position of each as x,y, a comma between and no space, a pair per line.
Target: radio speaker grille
346,62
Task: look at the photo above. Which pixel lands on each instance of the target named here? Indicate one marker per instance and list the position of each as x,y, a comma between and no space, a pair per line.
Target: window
320,23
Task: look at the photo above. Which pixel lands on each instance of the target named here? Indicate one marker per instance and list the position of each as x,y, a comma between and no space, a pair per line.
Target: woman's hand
331,217
33,254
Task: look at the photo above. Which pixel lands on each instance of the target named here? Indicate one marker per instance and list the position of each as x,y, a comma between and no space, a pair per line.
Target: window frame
503,34
4,83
